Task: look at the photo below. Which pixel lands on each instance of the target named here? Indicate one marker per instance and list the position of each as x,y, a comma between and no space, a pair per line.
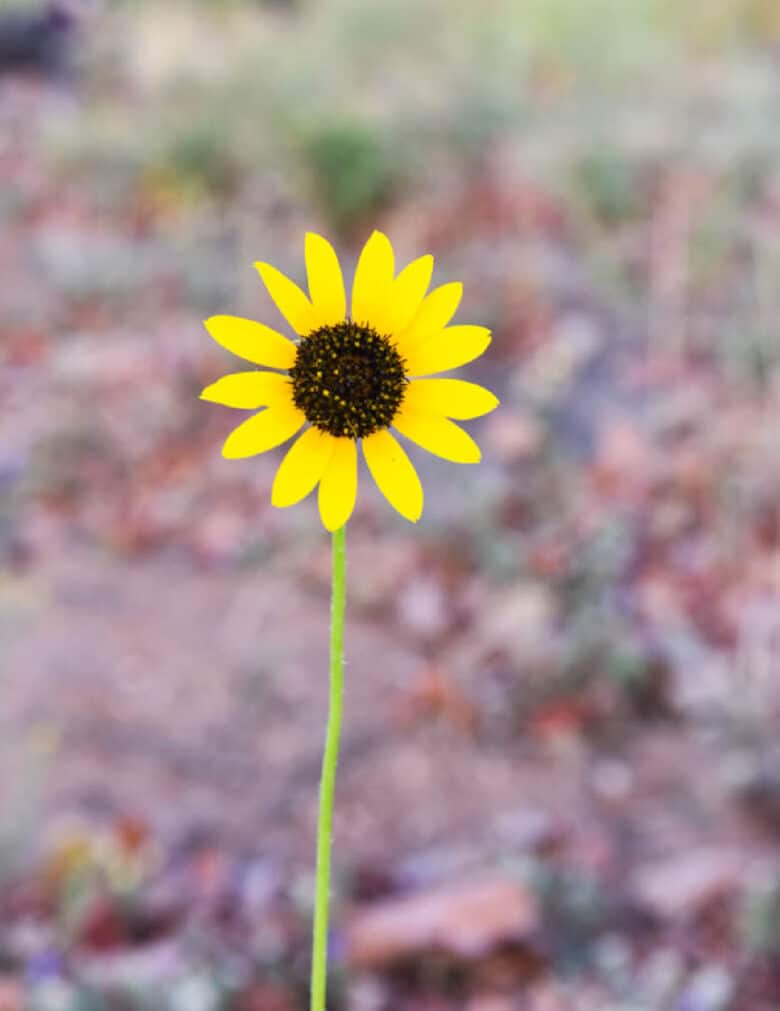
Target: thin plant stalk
319,962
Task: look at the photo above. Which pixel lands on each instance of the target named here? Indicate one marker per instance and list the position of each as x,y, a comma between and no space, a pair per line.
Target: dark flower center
348,380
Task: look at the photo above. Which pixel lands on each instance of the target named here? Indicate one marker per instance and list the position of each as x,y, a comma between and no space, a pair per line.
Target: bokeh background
560,784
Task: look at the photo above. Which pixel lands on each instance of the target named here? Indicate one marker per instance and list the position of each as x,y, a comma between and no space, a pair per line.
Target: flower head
351,377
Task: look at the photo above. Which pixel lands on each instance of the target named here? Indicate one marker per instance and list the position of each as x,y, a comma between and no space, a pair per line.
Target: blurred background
560,783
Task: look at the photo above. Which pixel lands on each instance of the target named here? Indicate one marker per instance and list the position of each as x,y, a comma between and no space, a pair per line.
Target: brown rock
464,920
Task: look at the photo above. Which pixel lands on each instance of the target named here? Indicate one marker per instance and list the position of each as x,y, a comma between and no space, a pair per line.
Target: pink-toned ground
563,682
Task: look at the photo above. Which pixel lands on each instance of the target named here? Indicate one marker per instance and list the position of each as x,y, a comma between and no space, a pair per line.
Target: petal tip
230,452
487,341
280,501
379,236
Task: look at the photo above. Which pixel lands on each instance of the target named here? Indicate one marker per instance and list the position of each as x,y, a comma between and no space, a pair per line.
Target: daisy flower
352,375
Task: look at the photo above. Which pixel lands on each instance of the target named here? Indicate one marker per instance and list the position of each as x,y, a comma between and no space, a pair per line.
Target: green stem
319,960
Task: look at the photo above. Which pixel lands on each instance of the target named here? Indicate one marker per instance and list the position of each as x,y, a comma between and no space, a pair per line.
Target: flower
351,377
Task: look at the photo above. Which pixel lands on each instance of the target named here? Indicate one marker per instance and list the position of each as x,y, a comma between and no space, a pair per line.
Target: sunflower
351,377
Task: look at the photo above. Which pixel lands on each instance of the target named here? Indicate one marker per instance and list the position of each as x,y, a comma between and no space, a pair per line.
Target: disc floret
348,379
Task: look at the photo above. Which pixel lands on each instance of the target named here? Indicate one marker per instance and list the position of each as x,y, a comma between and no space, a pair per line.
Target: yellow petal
394,474
407,293
302,467
435,312
438,435
253,341
289,299
453,398
326,283
249,390
449,349
338,485
373,281
263,431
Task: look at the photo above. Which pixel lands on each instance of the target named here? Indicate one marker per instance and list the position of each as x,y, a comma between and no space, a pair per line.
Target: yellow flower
352,376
